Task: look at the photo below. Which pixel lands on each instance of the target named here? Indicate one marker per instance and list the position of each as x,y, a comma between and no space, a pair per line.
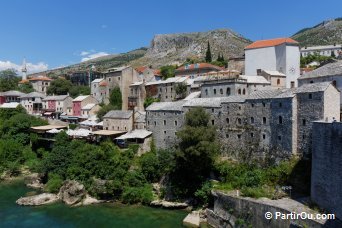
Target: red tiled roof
157,72
270,43
140,69
103,83
199,66
23,81
40,78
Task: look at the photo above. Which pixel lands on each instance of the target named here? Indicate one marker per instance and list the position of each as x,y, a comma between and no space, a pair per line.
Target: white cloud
31,68
93,56
83,53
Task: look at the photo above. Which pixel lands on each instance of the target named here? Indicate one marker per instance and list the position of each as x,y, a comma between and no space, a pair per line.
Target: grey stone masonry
326,179
266,122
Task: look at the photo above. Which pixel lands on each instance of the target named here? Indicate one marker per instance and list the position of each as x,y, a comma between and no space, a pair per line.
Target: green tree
196,152
8,80
181,89
208,57
150,100
168,71
115,98
75,91
59,86
26,88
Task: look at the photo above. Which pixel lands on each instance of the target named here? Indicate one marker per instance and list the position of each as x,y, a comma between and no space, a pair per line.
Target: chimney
258,72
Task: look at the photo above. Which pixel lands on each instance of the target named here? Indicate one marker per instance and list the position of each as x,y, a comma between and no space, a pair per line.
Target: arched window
239,91
221,91
215,91
227,120
239,121
280,120
243,91
228,91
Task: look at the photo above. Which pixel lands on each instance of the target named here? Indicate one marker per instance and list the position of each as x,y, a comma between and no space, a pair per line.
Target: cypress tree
208,58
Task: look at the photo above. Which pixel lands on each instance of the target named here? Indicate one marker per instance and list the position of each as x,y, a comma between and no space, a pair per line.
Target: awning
136,134
107,132
47,113
47,128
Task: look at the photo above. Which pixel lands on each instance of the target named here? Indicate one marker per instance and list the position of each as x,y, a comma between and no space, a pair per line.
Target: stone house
90,110
81,101
117,120
276,78
10,96
164,119
32,102
148,74
99,90
331,72
196,70
40,83
324,50
56,105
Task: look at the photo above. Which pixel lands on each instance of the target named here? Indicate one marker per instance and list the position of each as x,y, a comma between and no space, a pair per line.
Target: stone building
164,119
90,110
84,77
117,120
331,72
10,96
264,122
40,83
32,102
325,50
121,77
80,102
196,70
326,179
99,90
148,74
276,78
56,105
280,54
231,85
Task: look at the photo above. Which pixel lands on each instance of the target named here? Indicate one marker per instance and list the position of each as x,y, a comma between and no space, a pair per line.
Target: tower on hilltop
24,70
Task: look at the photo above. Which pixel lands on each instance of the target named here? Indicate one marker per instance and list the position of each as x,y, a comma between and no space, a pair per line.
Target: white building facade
280,55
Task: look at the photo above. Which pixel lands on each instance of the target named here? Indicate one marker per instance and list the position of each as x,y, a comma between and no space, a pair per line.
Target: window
311,82
164,122
227,135
215,91
228,91
206,92
212,110
244,91
280,120
310,95
304,122
119,78
280,104
176,123
252,135
239,91
264,120
264,104
252,120
278,81
239,136
212,122
221,91
155,123
252,105
239,121
334,83
148,122
279,137
227,120
164,132
263,136
239,107
292,84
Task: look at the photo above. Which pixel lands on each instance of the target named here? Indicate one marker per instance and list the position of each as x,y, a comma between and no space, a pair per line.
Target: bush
204,193
133,195
54,183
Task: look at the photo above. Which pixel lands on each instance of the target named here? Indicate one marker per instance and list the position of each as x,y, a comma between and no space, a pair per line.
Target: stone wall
228,208
326,179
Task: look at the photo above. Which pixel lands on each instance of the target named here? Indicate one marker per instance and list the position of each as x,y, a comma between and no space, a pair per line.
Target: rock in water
192,220
72,192
168,204
34,180
41,199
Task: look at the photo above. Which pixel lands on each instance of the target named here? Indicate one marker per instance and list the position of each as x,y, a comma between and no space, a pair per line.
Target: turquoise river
60,215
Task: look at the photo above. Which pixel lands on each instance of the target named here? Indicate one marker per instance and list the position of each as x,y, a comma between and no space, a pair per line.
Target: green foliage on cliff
8,80
115,98
322,60
195,154
150,100
59,86
168,71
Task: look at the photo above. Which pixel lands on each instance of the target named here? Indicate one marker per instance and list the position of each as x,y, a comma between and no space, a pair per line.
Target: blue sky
58,33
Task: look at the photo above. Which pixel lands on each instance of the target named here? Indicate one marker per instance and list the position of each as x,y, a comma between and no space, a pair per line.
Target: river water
60,215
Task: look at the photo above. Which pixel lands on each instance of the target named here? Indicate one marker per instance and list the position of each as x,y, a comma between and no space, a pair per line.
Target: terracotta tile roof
23,81
40,78
157,72
199,66
270,43
103,83
140,69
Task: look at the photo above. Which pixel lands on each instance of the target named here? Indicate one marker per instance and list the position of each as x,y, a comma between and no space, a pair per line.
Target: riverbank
60,215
